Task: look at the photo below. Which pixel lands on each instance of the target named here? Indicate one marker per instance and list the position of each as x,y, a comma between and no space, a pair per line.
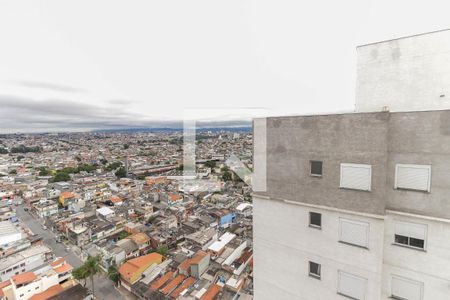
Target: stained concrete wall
420,138
406,74
334,139
378,139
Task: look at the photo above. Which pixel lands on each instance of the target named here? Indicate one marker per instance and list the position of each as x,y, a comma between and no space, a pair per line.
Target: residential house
131,271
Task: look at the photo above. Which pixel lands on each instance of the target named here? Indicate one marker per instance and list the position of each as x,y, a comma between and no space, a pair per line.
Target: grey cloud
27,114
49,86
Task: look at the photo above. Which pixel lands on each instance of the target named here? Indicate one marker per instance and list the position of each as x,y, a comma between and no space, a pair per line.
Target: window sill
411,190
316,175
358,246
315,227
343,295
314,276
352,189
409,247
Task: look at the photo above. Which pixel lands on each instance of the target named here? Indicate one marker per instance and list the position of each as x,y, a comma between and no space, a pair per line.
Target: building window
314,270
403,288
315,220
351,286
354,232
413,177
316,168
410,234
356,176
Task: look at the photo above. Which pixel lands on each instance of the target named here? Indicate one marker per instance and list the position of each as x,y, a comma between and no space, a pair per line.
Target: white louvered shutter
351,285
403,288
356,176
413,177
354,232
414,230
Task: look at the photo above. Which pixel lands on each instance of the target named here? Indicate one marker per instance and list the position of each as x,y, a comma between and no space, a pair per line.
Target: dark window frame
408,243
311,224
318,267
311,162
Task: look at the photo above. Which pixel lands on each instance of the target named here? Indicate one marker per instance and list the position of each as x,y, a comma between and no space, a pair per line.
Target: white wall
284,243
407,74
432,267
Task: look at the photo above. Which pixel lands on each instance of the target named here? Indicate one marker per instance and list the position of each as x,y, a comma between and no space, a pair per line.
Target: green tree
80,273
86,167
162,249
92,267
113,166
25,149
113,274
210,164
151,219
123,235
126,146
61,176
13,172
3,150
43,171
227,176
121,172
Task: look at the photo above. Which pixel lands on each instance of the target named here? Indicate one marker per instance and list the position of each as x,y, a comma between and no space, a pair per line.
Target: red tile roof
67,195
156,285
173,284
5,283
48,293
63,268
24,278
115,199
185,265
187,283
211,293
128,269
57,262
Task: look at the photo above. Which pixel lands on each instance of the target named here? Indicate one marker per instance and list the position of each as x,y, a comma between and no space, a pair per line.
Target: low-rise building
45,208
131,271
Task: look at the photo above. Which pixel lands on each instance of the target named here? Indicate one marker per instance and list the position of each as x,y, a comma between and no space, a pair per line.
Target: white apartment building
57,276
357,205
23,261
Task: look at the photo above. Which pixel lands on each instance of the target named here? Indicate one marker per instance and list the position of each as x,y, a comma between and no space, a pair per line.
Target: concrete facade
348,138
284,244
382,140
405,74
420,138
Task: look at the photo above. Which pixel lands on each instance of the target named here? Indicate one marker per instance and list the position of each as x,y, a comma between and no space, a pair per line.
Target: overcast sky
76,65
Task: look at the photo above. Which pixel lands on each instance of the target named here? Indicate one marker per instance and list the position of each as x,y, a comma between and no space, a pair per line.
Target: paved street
104,288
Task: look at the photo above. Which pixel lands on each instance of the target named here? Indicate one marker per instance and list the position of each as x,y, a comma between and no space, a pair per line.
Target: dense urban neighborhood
114,215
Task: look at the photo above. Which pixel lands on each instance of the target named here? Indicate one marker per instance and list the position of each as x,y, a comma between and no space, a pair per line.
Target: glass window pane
315,219
400,239
316,168
416,243
314,269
